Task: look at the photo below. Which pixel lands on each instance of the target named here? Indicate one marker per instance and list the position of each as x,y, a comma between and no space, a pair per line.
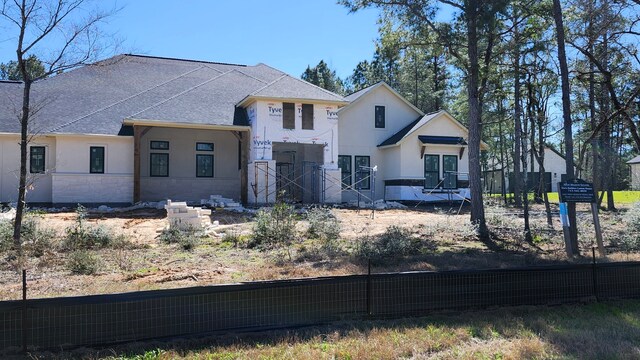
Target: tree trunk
475,121
22,187
517,138
566,115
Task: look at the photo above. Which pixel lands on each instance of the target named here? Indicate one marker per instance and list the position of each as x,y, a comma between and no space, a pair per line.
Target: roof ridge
125,99
11,81
180,93
182,59
251,76
267,85
325,90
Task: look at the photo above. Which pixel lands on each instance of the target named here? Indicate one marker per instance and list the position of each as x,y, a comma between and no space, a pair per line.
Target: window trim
293,115
312,116
444,182
437,171
355,164
44,159
384,117
151,164
342,172
198,143
212,166
104,159
151,143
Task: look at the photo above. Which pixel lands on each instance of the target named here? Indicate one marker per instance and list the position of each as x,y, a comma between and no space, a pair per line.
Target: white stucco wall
635,176
72,181
359,136
39,185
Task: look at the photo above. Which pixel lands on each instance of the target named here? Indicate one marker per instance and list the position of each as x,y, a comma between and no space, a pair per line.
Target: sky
286,34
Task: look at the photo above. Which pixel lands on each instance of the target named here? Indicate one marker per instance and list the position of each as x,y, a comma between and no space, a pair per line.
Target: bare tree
74,29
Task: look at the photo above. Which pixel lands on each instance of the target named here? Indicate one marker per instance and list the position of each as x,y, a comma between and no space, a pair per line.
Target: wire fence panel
109,319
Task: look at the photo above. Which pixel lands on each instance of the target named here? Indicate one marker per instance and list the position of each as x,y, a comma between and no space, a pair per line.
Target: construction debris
185,217
378,205
217,201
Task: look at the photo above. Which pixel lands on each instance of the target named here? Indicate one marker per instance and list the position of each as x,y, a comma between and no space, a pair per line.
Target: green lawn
607,330
620,197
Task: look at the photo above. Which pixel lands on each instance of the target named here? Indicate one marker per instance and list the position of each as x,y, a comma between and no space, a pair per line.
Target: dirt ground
147,263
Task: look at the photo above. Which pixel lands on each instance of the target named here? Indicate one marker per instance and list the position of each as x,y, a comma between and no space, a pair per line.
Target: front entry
298,171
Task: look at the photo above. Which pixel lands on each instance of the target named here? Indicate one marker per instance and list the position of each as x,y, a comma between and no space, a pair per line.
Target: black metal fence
107,319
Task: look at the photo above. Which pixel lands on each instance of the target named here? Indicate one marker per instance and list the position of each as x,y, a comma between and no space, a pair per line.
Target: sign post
579,191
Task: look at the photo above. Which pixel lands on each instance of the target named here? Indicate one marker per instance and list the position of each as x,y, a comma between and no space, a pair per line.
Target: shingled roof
96,99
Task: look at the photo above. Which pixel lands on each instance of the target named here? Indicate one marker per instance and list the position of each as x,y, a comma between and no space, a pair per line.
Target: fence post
369,288
595,272
24,311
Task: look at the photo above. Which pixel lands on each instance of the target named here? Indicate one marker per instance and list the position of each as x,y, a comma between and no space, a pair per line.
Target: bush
188,239
83,262
323,224
36,240
275,226
83,236
630,239
394,242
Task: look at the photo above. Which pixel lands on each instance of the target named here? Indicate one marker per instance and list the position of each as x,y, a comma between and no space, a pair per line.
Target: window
363,180
288,116
159,145
204,146
96,159
204,165
344,163
159,165
431,171
307,116
36,160
379,117
450,171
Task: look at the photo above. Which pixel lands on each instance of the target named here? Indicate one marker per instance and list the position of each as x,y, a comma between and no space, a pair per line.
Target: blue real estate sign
576,191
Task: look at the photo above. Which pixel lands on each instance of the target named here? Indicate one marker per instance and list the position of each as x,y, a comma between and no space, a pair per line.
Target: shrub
275,226
323,224
188,239
36,239
83,236
630,239
394,242
83,262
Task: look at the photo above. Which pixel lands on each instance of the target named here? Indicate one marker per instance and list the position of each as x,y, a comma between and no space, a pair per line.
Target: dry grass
443,240
608,330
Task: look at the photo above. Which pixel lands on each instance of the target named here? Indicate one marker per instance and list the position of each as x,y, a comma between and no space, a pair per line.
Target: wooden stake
596,223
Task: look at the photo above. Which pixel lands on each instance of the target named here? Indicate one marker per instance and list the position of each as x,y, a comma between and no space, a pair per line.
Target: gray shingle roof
635,160
95,99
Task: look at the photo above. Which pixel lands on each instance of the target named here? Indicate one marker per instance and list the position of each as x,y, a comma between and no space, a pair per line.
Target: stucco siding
182,183
635,176
38,185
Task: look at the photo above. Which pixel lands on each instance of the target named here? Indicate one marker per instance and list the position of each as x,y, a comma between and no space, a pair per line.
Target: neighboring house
634,165
139,128
554,166
417,157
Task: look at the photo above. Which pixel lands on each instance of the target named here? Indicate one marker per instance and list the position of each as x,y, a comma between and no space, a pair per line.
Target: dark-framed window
203,146
159,165
288,116
344,163
431,171
363,180
307,116
380,117
159,145
450,171
37,159
96,159
204,165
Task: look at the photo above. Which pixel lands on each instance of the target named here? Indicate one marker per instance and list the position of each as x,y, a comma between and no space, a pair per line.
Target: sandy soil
147,263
